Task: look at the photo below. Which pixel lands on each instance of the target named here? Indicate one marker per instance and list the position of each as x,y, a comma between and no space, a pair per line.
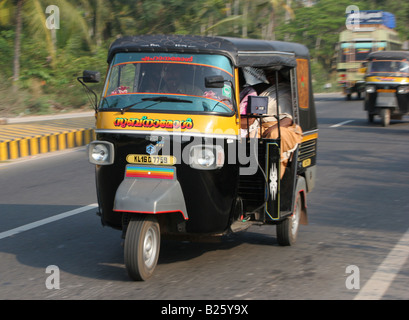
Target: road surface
355,246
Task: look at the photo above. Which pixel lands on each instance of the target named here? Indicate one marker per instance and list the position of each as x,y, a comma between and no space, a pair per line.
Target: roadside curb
30,146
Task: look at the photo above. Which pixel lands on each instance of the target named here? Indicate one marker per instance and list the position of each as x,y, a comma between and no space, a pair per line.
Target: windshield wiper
163,99
130,106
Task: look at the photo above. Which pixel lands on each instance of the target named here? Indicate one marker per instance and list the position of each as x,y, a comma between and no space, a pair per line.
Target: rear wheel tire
141,248
287,230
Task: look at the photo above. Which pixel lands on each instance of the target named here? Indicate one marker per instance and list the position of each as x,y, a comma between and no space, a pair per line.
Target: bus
375,32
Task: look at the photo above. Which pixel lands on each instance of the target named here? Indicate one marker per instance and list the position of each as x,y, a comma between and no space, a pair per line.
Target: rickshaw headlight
101,152
206,157
370,89
403,89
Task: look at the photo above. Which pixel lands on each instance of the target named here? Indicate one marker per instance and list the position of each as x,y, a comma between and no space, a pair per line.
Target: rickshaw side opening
171,162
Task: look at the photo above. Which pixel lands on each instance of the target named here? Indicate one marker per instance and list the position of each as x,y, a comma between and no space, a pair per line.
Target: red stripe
150,212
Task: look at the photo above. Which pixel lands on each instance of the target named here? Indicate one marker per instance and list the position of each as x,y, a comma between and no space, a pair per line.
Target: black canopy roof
388,55
242,52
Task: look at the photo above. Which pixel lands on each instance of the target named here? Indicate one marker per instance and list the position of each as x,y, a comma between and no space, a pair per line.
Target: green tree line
40,65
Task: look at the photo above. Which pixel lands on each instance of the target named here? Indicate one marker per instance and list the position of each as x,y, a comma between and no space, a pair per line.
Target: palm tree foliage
53,58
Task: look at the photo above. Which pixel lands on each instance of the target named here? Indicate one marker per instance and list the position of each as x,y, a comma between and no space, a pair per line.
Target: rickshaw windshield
168,82
390,68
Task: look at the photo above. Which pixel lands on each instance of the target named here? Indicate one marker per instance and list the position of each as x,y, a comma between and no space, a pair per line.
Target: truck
373,30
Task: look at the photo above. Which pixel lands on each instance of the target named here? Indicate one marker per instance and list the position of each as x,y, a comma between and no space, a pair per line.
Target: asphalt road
355,246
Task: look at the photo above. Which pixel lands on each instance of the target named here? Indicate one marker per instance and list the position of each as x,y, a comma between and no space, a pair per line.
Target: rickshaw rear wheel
287,230
141,248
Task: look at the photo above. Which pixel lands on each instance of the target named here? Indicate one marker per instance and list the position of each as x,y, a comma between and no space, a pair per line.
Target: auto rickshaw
387,85
169,156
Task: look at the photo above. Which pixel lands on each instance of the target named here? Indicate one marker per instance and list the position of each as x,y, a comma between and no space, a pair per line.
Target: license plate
148,159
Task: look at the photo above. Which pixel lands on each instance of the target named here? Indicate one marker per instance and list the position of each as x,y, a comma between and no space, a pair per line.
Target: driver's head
173,76
270,76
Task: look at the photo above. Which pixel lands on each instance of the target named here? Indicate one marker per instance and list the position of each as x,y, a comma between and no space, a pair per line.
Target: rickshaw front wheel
385,116
141,248
287,230
370,117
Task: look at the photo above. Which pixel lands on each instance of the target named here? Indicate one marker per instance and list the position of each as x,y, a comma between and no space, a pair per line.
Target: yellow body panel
402,80
183,123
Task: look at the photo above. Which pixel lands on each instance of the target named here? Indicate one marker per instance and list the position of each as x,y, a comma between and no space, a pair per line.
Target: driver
176,83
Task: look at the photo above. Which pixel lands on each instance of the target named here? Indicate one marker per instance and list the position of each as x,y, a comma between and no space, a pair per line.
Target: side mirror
214,82
91,76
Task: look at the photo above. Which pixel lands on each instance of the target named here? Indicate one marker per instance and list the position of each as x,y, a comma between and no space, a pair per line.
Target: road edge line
42,222
380,281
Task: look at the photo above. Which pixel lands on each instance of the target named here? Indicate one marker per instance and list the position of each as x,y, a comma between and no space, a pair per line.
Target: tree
33,13
17,45
99,15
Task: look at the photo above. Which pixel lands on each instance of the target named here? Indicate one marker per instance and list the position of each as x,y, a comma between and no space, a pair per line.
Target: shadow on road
80,246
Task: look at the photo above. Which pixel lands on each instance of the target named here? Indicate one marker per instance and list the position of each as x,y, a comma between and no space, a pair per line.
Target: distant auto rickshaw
170,159
387,85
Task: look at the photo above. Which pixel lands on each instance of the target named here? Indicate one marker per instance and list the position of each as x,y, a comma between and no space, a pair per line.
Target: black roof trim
242,52
388,55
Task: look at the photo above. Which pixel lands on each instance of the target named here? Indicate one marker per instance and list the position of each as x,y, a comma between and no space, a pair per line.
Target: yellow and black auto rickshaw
170,157
387,85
